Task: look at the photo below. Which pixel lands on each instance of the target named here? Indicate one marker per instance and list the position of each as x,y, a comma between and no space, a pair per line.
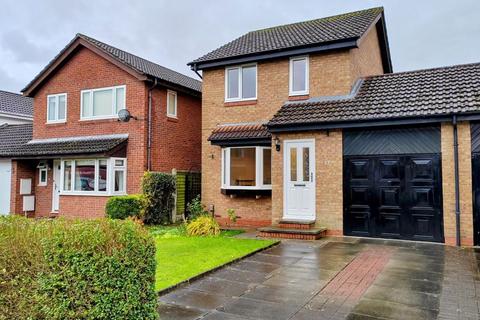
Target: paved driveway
342,278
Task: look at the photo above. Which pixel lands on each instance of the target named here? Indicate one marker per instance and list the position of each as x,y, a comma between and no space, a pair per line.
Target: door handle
299,185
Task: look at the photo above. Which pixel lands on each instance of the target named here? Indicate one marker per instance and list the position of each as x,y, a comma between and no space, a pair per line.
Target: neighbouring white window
57,108
246,168
94,176
42,176
102,103
171,104
299,76
241,83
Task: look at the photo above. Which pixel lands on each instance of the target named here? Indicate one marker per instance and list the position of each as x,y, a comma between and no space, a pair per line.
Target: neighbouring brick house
77,153
305,127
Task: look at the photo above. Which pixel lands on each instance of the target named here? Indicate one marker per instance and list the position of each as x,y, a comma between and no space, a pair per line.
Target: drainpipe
457,185
149,134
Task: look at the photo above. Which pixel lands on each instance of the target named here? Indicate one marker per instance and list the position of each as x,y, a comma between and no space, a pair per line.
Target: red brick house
306,127
77,152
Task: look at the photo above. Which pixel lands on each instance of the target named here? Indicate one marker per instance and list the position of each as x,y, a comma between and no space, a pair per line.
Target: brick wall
20,170
331,73
448,183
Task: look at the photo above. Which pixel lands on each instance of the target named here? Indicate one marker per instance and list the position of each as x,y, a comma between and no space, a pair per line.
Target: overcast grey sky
422,33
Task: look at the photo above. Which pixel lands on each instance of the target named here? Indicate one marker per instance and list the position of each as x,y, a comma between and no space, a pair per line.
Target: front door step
284,233
296,224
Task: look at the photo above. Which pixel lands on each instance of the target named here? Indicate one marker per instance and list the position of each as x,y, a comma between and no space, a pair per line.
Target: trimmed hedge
158,190
64,269
122,207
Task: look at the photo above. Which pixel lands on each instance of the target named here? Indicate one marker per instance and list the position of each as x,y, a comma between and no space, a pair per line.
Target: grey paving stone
390,310
259,309
241,275
255,266
308,285
406,297
221,286
273,259
194,299
218,315
176,312
279,294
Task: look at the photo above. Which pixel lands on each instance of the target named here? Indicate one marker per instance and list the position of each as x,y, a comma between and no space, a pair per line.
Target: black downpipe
457,184
149,135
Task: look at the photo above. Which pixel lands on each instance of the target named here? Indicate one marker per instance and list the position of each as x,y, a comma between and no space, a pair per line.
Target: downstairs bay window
93,176
246,168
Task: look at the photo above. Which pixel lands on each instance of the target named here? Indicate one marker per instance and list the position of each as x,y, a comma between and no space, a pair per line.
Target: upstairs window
298,76
241,83
171,104
57,108
102,103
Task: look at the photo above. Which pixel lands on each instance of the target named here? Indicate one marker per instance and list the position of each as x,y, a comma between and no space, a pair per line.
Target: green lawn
180,257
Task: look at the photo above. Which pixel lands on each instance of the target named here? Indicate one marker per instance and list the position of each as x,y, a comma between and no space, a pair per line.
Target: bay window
93,176
246,168
102,103
241,83
299,76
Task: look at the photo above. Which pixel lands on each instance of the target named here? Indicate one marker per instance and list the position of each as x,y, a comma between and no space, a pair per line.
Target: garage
475,134
392,183
5,178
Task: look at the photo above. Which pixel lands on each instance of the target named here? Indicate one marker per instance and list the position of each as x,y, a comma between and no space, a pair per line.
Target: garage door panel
359,169
389,224
389,170
422,198
422,169
360,224
390,197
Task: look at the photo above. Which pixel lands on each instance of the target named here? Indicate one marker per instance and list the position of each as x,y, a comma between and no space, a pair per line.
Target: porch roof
240,133
68,146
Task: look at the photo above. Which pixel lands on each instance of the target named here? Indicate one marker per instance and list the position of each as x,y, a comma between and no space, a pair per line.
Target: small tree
158,190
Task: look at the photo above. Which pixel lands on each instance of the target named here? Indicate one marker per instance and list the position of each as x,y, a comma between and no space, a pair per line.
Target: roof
237,132
342,27
16,104
123,58
414,94
13,136
101,144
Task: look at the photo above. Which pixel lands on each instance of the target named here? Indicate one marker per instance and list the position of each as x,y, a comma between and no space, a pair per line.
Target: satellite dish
124,115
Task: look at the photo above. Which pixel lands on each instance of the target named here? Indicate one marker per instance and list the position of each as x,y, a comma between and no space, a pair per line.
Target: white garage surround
5,178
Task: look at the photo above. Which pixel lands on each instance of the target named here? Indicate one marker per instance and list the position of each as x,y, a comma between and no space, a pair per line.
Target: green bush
64,269
204,225
122,207
195,208
158,191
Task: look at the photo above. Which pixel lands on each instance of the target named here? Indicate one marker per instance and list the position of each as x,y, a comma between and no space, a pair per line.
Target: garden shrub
158,191
121,207
204,225
195,208
64,269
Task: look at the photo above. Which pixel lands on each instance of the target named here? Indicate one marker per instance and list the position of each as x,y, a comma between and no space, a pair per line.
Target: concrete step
296,224
284,233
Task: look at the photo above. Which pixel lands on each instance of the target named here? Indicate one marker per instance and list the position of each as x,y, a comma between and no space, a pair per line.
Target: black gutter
457,180
344,44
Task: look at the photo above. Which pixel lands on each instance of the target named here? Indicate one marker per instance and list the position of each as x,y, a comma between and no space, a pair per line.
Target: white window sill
246,188
240,100
56,122
171,116
99,118
86,194
294,94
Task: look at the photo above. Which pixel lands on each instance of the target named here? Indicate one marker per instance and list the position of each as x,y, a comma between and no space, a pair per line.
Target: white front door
56,186
299,180
5,186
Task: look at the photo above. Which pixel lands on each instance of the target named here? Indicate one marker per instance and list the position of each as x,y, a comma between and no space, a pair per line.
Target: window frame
40,182
291,92
240,84
225,170
114,114
110,183
57,97
172,115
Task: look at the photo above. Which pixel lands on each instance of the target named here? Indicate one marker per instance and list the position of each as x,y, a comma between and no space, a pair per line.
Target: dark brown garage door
393,195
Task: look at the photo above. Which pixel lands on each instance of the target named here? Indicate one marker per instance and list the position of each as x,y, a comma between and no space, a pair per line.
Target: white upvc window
299,76
57,108
102,103
171,104
105,176
42,177
247,168
241,83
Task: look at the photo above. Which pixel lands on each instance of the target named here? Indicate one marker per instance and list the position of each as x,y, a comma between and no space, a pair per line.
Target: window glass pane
51,108
119,163
119,180
242,167
224,155
293,164
86,111
267,166
299,70
102,102
306,164
232,85
249,79
67,176
120,99
85,175
172,104
102,175
43,175
61,107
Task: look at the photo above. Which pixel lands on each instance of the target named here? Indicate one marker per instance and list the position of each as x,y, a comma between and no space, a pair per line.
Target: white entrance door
299,180
5,180
56,186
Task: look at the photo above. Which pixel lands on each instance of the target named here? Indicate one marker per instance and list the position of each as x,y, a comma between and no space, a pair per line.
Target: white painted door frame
5,185
299,185
56,186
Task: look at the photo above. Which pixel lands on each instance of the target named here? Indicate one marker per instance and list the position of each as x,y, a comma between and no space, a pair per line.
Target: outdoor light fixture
277,143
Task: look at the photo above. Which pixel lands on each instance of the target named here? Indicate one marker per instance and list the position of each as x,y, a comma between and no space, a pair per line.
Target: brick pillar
20,170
